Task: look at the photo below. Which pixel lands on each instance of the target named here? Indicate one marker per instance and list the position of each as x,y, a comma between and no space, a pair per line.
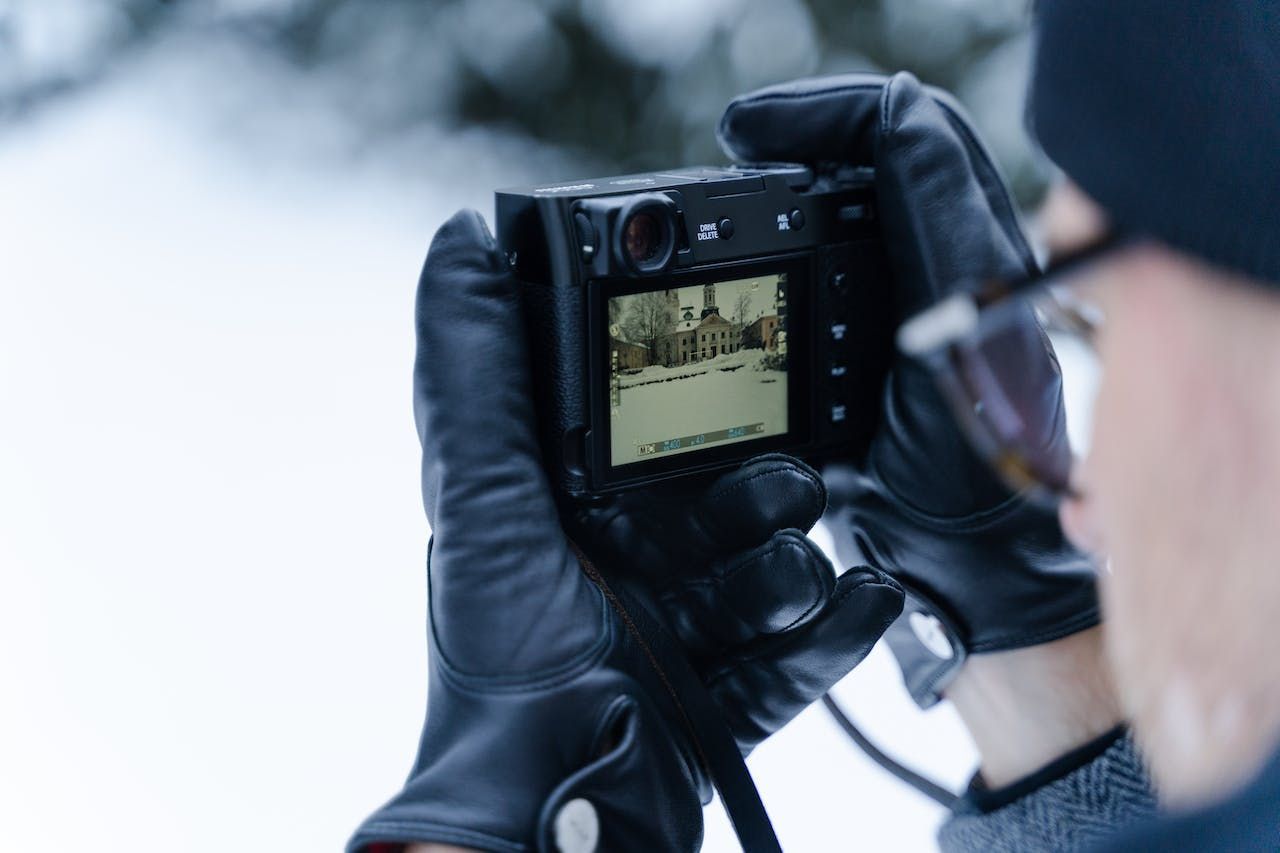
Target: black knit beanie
1167,113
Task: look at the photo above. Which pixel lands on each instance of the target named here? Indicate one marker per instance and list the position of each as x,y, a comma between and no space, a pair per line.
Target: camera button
838,370
838,413
726,228
796,218
577,827
586,236
854,213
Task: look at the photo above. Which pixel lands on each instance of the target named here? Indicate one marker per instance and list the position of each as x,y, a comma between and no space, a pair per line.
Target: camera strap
703,722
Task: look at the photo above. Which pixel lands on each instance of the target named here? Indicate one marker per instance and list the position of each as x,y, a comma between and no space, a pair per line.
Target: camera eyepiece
644,236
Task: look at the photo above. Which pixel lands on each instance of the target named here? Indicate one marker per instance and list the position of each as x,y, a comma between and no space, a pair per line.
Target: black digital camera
684,321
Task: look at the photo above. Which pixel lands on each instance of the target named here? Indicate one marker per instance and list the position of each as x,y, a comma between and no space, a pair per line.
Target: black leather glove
984,569
553,719
769,629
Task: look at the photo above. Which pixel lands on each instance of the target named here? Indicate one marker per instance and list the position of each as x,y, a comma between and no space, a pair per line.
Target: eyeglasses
1016,360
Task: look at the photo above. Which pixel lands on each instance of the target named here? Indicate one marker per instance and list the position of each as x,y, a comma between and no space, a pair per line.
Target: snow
749,358
660,403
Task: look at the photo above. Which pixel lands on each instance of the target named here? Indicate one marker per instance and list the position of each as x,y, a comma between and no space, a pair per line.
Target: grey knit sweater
1075,803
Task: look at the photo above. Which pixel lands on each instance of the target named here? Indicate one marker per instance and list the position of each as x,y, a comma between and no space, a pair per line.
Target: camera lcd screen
697,367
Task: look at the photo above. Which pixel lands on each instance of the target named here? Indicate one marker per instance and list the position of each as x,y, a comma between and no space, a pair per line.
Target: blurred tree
634,85
52,47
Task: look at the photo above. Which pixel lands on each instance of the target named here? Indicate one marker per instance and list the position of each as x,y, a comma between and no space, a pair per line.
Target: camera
686,320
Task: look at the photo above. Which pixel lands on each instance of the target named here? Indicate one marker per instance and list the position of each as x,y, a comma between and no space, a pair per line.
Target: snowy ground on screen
720,393
657,373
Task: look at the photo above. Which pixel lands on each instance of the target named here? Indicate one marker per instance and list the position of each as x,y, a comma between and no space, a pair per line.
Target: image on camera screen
696,367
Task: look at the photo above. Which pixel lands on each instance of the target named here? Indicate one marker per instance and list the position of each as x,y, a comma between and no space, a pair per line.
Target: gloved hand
554,719
768,630
984,570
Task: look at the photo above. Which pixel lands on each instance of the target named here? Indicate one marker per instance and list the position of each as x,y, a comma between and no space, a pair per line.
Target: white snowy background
211,538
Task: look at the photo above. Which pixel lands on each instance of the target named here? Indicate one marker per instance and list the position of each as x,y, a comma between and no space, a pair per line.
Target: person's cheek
1082,517
1079,515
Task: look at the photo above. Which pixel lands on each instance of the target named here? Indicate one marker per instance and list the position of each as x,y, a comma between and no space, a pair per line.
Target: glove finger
779,586
496,536
818,120
939,192
745,507
672,534
770,681
769,589
471,386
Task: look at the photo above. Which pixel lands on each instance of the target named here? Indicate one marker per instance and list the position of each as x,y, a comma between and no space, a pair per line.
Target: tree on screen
742,308
648,317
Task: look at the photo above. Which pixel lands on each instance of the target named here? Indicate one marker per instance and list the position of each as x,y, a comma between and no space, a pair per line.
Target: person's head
1161,114
1163,111
1180,490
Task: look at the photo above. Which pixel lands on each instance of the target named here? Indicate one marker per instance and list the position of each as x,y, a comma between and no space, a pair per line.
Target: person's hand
984,570
551,709
768,629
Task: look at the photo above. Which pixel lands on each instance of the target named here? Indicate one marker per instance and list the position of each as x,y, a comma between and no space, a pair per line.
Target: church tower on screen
709,301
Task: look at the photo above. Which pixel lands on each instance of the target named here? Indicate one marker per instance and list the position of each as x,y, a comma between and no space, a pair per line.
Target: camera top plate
725,180
569,231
